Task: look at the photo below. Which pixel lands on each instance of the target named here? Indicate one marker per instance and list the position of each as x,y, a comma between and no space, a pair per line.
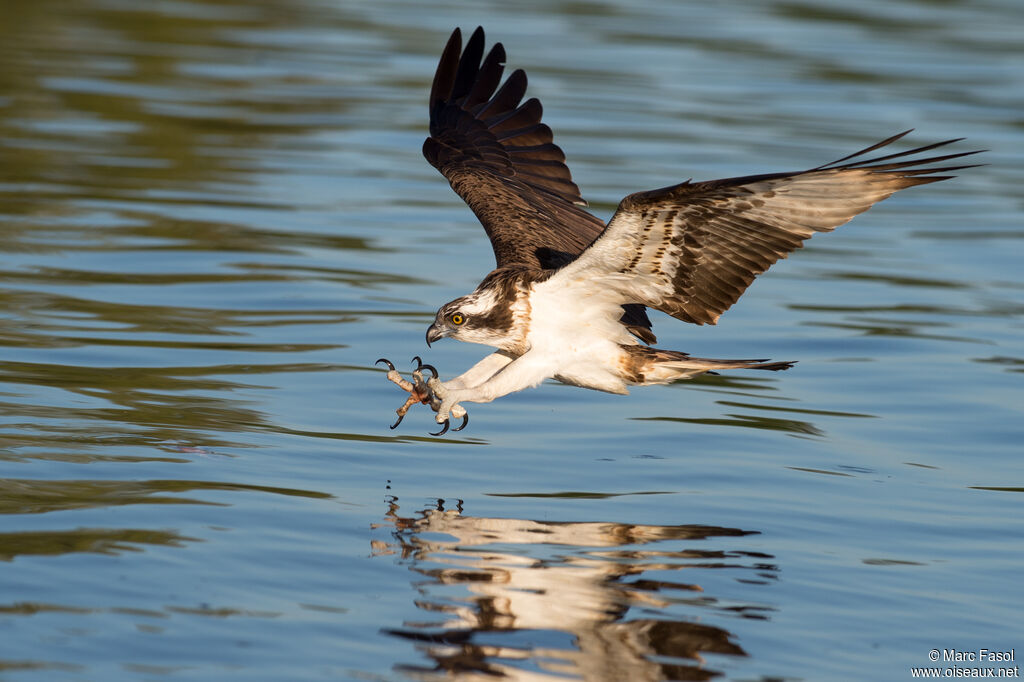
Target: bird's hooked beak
435,333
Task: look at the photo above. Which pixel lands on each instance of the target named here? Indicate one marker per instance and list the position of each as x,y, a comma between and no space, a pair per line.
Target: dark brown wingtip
488,144
444,77
875,164
868,150
469,66
488,77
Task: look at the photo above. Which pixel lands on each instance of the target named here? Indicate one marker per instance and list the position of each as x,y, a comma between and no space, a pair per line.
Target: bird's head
474,318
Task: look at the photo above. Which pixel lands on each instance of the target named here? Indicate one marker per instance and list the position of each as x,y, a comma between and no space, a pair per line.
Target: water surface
215,218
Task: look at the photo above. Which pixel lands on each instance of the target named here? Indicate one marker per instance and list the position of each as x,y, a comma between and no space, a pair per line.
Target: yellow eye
458,319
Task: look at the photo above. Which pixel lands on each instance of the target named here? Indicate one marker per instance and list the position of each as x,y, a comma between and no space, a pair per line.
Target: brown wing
691,250
501,159
503,162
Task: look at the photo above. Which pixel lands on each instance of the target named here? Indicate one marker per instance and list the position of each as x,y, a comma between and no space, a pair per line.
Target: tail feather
647,365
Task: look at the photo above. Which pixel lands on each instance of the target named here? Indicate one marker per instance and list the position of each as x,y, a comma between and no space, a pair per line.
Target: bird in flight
567,298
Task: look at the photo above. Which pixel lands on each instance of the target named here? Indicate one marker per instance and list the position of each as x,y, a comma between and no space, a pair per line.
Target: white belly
581,333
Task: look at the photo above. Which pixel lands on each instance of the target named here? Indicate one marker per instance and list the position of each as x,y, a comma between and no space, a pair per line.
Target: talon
465,422
447,423
387,362
419,363
432,369
400,418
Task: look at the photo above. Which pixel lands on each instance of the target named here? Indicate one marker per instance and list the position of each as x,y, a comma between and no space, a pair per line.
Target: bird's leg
418,391
438,392
433,391
475,375
525,371
394,376
419,385
445,405
409,402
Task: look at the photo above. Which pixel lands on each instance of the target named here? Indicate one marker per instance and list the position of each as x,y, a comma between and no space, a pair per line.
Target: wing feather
502,160
508,96
691,250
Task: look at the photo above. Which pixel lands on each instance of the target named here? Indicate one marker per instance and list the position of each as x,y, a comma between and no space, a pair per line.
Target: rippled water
215,217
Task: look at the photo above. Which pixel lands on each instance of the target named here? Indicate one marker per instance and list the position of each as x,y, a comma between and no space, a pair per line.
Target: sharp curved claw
420,366
387,362
465,422
400,418
447,423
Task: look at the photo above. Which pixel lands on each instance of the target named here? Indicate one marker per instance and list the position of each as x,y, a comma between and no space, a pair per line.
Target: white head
477,318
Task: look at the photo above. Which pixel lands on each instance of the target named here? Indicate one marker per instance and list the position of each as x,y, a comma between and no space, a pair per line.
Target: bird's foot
417,389
431,392
446,406
454,411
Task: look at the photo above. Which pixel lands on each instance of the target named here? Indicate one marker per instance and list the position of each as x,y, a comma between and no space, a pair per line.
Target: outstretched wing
501,159
692,249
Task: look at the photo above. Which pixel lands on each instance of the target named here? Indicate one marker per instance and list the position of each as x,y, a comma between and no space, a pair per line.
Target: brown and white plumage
568,295
692,249
503,162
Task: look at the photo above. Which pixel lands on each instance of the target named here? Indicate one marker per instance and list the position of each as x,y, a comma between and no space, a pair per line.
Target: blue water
216,217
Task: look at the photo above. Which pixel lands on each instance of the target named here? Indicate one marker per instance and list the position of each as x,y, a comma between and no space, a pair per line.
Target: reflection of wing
691,250
519,599
501,159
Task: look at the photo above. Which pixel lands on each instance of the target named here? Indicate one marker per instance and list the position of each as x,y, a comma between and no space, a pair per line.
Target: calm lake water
215,217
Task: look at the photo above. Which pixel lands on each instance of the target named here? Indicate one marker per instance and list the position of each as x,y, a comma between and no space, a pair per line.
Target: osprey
568,296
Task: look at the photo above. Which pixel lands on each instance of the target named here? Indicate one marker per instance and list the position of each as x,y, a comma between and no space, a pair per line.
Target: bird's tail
656,366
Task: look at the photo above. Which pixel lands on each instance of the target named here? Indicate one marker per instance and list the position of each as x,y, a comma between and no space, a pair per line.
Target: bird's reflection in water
539,600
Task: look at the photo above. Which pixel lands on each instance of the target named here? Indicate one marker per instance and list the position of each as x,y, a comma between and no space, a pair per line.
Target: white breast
578,328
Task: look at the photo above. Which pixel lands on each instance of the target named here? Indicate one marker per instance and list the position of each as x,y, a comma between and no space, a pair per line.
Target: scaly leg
474,376
419,392
417,389
436,403
525,371
434,391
